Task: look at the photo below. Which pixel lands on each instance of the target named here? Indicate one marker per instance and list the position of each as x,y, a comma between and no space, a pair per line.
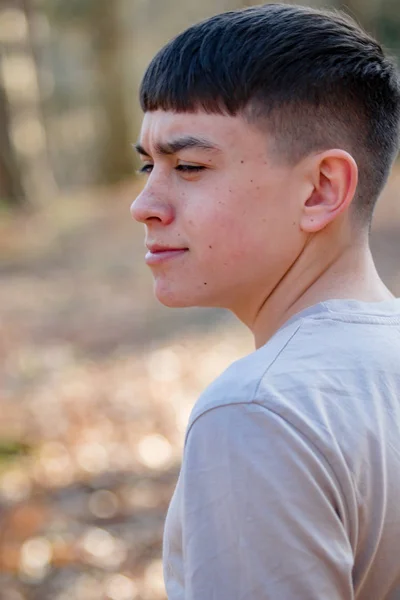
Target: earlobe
334,175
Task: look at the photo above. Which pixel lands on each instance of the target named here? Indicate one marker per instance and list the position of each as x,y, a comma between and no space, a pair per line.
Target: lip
158,254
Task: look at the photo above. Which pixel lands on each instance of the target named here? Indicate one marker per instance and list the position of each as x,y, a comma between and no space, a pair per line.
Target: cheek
222,235
236,225
229,227
226,245
220,215
256,242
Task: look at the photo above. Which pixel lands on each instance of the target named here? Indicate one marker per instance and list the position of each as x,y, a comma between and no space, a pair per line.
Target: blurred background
96,379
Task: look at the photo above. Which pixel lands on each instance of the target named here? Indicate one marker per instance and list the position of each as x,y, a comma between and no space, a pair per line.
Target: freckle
242,161
251,181
205,283
210,246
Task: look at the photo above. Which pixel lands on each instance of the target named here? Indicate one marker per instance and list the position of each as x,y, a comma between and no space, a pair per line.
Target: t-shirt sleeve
259,520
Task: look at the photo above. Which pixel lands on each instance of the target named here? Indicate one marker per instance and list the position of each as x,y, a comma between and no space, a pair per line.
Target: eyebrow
182,143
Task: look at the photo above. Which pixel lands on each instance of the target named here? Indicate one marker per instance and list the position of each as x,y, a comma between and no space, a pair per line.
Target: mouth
159,254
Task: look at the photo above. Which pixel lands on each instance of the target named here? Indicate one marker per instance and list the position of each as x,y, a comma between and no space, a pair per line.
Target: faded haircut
313,79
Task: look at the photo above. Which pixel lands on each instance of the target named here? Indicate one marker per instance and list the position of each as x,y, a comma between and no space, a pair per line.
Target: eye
147,168
189,168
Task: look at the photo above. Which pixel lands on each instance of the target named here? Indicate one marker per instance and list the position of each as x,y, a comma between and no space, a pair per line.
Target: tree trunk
11,188
37,168
116,161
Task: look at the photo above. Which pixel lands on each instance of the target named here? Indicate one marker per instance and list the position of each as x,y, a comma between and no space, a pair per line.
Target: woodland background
97,379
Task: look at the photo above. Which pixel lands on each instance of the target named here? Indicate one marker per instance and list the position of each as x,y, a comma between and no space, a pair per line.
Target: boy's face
229,209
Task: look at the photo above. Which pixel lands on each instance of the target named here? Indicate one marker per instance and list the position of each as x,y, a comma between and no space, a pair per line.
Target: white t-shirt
290,482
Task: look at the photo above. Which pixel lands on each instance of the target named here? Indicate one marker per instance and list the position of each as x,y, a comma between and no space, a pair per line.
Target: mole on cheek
210,247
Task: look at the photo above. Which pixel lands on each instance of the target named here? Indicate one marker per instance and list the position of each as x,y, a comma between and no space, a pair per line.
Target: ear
334,177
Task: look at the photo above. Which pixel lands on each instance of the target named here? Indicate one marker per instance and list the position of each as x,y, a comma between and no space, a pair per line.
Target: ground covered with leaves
96,384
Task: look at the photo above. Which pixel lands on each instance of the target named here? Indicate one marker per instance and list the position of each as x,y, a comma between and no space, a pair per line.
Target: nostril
139,211
146,209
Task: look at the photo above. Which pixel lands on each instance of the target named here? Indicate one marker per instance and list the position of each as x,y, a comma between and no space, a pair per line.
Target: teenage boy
267,138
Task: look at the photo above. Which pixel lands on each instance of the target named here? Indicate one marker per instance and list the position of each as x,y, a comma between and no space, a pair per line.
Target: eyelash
182,168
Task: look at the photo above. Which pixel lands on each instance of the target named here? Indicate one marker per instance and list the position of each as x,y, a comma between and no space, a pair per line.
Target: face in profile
220,210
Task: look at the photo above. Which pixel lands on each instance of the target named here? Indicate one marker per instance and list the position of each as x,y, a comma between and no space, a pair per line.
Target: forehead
222,130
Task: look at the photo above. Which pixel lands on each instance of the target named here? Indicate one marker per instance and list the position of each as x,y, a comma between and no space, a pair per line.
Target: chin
178,298
172,298
172,302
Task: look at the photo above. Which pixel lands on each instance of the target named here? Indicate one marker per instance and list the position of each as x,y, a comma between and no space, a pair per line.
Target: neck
340,271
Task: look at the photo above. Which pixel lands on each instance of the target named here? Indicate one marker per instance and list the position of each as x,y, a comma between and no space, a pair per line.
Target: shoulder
239,383
304,369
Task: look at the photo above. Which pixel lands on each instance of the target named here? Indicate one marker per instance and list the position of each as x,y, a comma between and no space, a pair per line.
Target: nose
148,207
